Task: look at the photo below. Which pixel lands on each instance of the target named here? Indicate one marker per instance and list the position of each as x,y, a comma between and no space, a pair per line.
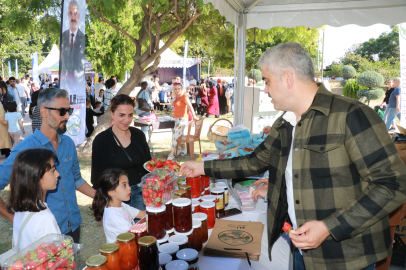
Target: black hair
3,86
11,106
144,85
88,101
11,79
56,79
29,168
97,103
108,181
112,77
120,100
110,83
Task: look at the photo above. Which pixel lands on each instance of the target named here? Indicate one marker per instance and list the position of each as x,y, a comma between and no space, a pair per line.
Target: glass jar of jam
148,250
189,236
139,230
97,262
170,232
128,251
225,187
156,221
195,206
202,217
110,251
170,249
181,193
163,240
207,191
169,216
177,265
164,258
209,208
188,190
209,198
190,256
182,215
219,193
194,183
206,181
181,240
197,235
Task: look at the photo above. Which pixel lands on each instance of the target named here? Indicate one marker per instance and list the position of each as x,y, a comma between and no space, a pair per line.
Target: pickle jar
156,221
189,236
209,208
170,249
226,195
181,240
164,259
148,250
170,232
202,217
197,235
190,256
195,206
209,198
169,216
110,251
97,262
188,190
182,215
194,182
128,251
219,193
163,240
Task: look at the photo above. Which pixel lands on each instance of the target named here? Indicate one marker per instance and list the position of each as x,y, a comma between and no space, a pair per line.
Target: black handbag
143,105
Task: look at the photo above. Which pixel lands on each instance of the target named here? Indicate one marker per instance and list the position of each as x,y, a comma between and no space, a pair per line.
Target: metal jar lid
147,241
184,187
125,237
108,248
96,261
180,192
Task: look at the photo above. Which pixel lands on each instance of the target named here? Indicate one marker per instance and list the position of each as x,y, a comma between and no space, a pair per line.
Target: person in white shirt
23,96
33,171
109,93
108,204
99,86
99,98
192,81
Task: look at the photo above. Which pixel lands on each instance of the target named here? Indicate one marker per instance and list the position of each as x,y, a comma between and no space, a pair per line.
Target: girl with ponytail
108,204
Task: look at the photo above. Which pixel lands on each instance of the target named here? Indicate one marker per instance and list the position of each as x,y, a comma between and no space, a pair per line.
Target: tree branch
152,68
176,13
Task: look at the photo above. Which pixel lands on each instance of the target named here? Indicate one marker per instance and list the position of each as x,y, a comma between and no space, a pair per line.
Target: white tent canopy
51,62
170,59
266,14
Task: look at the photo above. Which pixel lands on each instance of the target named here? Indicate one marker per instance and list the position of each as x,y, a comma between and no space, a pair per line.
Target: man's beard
59,129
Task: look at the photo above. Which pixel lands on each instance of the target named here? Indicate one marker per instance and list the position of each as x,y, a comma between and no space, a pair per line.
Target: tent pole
322,59
235,63
239,93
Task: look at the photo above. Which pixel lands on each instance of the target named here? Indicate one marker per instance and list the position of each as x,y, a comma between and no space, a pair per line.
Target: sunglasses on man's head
62,111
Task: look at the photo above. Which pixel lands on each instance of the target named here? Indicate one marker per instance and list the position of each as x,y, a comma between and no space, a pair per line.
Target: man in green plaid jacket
334,172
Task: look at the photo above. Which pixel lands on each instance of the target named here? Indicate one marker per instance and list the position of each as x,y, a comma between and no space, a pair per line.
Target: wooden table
154,126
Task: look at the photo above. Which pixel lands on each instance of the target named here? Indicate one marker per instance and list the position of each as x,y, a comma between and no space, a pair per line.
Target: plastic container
177,265
158,187
190,256
148,250
197,235
163,240
170,249
110,251
209,208
195,206
156,221
226,195
182,214
219,193
169,216
189,236
188,190
170,232
194,182
202,217
209,198
181,193
206,181
207,191
96,262
164,258
128,251
181,240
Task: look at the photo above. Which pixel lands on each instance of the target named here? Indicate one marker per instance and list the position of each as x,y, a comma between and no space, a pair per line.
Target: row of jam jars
148,250
219,193
182,215
197,235
97,262
195,186
110,251
188,234
195,206
181,240
206,180
156,221
209,208
128,251
188,190
225,187
202,217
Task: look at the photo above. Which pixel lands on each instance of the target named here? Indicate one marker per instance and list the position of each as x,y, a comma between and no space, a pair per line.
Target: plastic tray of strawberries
53,251
158,187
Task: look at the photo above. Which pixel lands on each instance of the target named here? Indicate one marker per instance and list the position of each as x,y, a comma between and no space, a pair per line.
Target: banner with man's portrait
71,65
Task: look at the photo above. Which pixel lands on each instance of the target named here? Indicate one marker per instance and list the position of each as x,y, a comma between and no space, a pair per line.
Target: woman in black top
108,149
386,99
5,96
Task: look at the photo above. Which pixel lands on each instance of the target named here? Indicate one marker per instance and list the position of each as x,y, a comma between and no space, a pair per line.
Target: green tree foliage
351,88
348,72
255,74
373,81
335,70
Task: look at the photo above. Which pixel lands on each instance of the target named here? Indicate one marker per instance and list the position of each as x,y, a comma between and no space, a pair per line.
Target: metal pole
235,65
239,95
208,70
322,59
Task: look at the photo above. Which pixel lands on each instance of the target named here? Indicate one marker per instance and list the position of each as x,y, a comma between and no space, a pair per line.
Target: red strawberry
150,191
51,265
155,195
159,194
70,251
159,164
18,265
31,265
145,194
154,159
40,267
72,265
158,204
42,254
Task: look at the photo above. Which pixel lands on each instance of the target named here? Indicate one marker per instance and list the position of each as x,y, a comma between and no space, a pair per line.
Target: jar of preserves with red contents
206,181
209,198
148,250
139,230
195,206
209,208
128,251
170,232
190,256
207,191
181,193
169,216
97,262
197,235
181,240
182,215
225,187
202,187
194,183
219,193
110,251
188,190
202,217
156,221
188,234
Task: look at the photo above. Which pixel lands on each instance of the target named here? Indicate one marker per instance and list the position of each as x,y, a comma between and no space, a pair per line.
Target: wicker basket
216,129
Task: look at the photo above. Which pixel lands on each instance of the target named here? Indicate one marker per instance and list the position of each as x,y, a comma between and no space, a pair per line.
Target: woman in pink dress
213,108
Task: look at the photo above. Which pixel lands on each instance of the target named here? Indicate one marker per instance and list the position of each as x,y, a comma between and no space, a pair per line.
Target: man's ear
288,79
43,112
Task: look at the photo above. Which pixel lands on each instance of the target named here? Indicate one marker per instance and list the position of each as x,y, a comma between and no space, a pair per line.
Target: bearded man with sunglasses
55,110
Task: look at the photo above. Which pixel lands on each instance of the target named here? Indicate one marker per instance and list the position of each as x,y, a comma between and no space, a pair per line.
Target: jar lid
199,216
195,202
221,185
175,197
198,198
169,202
164,258
184,233
164,239
217,190
187,254
197,224
206,204
180,192
209,198
170,231
138,228
156,209
169,248
108,248
178,239
185,187
177,265
182,202
125,237
96,261
147,241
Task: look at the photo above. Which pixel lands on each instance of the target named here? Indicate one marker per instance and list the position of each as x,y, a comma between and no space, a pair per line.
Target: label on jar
219,202
226,195
193,266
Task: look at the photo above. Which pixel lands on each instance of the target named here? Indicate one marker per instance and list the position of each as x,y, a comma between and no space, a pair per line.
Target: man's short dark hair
144,85
11,106
88,101
97,103
112,77
110,83
11,79
56,79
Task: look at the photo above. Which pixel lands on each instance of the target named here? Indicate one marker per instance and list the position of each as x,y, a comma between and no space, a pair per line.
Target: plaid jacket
346,172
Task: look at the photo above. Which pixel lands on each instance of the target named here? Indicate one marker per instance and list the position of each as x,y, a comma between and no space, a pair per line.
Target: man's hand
266,130
397,109
192,168
310,235
261,190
